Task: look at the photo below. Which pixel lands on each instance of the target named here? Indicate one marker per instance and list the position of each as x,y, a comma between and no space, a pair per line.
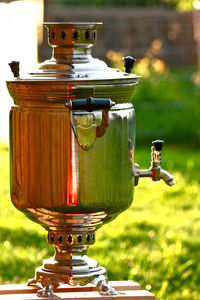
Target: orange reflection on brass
72,174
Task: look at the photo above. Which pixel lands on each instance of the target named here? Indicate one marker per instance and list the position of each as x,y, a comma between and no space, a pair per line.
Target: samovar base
70,265
51,280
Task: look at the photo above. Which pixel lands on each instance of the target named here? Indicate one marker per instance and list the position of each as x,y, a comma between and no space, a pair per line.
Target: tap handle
128,63
158,145
156,152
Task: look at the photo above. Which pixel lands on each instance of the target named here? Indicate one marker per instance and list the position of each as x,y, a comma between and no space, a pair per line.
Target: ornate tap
155,171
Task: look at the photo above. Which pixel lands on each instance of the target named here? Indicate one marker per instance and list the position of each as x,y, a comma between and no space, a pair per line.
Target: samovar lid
71,59
71,65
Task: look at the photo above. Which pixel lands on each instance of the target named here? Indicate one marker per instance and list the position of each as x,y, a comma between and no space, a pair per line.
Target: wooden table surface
127,290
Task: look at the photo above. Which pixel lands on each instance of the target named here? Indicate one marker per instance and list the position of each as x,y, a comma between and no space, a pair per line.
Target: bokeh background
156,241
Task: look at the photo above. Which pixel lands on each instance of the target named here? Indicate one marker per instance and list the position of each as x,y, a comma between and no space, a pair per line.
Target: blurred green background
156,242
181,5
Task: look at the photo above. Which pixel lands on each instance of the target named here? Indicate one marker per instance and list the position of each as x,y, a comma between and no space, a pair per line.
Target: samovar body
72,140
50,170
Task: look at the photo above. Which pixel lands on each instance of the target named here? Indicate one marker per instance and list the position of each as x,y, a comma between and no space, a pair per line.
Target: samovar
72,136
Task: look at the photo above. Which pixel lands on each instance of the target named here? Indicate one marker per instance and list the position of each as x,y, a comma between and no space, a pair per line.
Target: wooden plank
24,289
123,295
125,285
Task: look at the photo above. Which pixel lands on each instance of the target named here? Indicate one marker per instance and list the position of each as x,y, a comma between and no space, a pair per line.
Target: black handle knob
128,63
91,104
14,65
158,145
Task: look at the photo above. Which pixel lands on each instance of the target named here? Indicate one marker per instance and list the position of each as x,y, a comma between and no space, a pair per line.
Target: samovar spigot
155,171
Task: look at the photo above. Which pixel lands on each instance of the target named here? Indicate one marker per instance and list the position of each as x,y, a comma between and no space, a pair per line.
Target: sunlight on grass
155,242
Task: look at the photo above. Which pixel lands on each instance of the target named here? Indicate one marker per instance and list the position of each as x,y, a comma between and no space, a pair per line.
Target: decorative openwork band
62,238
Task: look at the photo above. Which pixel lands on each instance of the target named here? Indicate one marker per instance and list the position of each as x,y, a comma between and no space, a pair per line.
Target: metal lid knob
128,63
14,65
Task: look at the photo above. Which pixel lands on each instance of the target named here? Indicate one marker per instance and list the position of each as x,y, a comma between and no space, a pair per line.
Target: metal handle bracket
87,134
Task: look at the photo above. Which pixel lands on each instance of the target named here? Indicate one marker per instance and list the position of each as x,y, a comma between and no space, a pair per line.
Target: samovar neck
71,55
72,41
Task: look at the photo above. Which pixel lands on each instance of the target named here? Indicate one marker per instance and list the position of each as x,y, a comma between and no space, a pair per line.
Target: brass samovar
72,136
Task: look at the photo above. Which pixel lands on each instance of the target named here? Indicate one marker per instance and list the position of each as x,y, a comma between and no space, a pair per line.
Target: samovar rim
73,24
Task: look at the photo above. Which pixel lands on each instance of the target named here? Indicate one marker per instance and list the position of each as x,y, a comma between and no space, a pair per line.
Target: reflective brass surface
44,147
71,171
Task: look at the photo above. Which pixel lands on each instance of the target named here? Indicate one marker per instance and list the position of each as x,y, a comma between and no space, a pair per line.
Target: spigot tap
155,171
156,159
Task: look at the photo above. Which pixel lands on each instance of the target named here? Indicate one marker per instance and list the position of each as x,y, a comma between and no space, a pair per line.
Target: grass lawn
155,242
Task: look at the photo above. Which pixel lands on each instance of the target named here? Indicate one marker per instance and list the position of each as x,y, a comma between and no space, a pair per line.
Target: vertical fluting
40,143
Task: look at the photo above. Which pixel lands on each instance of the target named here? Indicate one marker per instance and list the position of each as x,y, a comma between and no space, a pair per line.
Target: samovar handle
90,104
155,171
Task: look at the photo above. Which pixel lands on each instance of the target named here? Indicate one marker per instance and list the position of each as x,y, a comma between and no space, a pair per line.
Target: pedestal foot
102,283
31,281
47,291
49,286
